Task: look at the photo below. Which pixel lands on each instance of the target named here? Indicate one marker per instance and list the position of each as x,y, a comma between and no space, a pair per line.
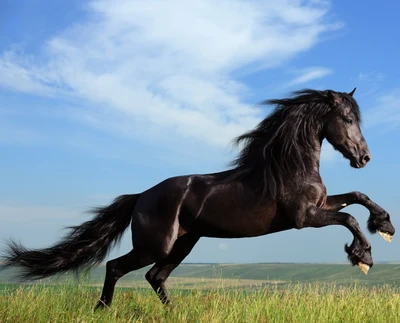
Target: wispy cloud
386,111
371,76
369,83
309,74
165,68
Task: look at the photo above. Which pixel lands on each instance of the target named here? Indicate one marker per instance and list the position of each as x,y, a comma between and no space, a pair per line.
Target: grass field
295,303
218,293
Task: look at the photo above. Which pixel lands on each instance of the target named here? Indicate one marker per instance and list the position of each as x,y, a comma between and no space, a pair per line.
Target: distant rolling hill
241,275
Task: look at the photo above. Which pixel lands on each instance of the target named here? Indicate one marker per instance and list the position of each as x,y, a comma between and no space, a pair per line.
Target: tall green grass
294,303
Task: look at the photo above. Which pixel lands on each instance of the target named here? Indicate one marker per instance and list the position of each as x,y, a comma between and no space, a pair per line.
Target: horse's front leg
359,252
379,219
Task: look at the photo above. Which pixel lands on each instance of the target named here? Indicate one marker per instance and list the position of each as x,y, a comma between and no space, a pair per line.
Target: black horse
273,185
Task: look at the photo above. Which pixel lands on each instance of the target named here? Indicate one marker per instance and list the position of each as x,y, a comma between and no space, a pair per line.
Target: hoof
364,267
381,222
100,305
388,237
359,255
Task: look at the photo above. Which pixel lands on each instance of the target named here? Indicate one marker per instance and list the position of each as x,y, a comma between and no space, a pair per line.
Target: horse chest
316,194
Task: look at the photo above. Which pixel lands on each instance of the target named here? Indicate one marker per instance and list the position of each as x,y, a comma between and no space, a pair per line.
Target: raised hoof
359,255
388,237
364,267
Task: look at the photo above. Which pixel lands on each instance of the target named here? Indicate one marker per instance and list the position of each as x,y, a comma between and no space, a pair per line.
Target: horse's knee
359,196
352,221
150,275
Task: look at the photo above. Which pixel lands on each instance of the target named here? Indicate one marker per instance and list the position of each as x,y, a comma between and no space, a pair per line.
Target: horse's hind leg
119,267
159,273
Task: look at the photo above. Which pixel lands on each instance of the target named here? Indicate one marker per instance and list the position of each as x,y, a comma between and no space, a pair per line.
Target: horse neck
316,156
311,159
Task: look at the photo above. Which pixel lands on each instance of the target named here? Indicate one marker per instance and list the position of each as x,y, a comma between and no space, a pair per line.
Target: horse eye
348,121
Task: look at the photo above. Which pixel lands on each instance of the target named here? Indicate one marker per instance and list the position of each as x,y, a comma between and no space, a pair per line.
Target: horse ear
334,98
352,92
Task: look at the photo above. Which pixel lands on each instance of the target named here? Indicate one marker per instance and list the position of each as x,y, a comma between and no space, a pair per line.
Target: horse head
342,128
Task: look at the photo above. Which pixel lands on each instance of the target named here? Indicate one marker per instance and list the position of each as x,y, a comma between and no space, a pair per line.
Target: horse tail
84,246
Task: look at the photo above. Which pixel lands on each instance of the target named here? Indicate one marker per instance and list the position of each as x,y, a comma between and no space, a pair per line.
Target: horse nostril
366,159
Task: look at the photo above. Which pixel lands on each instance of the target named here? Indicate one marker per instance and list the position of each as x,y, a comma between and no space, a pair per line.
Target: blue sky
103,98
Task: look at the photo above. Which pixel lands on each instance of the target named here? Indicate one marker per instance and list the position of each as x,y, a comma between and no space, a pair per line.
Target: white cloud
310,74
371,76
386,111
369,83
165,68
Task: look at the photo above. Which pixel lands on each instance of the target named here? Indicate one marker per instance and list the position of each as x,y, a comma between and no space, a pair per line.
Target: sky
102,98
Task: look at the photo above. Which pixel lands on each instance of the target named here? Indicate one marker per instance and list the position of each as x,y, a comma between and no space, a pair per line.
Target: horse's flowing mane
283,144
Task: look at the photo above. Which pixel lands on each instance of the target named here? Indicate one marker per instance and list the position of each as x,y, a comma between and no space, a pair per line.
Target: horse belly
234,221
